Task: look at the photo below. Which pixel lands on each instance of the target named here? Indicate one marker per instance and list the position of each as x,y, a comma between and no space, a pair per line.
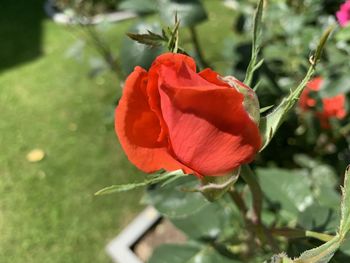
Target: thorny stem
104,50
198,48
253,184
254,223
238,200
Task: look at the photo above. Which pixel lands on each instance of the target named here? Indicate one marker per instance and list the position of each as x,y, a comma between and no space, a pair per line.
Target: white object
69,18
119,249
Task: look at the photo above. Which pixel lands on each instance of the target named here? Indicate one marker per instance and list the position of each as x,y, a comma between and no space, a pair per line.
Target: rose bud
331,106
174,118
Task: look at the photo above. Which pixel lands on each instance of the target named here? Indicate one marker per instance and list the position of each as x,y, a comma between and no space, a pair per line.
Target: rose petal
208,127
315,84
306,102
171,60
334,106
212,77
138,128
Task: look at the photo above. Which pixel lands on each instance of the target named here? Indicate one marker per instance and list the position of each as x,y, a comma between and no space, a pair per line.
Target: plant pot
137,241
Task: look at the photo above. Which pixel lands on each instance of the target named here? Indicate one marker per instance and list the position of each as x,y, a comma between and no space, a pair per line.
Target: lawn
48,212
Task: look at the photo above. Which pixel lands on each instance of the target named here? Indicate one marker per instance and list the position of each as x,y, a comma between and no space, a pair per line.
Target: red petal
208,127
334,106
315,84
138,128
212,77
305,101
170,60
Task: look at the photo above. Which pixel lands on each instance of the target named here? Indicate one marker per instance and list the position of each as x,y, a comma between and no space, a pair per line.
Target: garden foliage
286,205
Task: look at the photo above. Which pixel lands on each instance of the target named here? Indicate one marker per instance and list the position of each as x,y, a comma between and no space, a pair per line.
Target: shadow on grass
20,31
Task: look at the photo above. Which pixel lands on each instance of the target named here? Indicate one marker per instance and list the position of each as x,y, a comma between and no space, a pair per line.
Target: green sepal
176,199
214,187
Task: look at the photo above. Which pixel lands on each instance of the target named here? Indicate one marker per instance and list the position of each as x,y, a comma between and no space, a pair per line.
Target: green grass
48,212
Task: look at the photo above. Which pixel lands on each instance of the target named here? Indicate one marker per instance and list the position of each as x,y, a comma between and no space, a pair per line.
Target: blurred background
60,82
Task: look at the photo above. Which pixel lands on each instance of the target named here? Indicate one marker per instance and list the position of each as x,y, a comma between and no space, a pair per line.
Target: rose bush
174,118
331,107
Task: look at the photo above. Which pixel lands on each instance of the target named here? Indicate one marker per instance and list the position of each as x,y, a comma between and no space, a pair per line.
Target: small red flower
174,118
331,107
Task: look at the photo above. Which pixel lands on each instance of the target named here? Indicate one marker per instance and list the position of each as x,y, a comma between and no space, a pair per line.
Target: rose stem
238,200
254,186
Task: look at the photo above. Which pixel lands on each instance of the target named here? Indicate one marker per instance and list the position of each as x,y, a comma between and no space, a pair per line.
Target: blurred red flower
174,118
331,107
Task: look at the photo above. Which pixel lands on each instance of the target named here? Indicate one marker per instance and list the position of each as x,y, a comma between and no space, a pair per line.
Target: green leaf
343,34
345,206
172,253
155,179
325,252
189,12
210,222
253,64
173,36
150,39
168,38
323,180
188,253
264,109
305,161
345,247
177,198
270,123
134,54
321,254
289,188
335,86
319,218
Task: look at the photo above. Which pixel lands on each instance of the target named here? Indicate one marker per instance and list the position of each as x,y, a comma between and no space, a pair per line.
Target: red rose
174,118
331,107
